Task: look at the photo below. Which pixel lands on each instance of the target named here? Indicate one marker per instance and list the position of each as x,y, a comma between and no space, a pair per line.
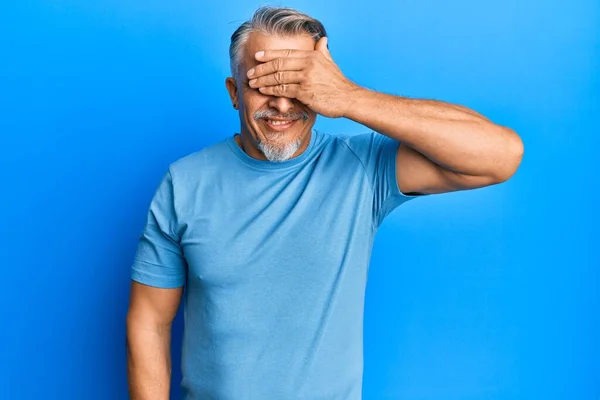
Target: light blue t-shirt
275,258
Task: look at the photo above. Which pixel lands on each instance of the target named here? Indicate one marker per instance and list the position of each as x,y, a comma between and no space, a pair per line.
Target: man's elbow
512,159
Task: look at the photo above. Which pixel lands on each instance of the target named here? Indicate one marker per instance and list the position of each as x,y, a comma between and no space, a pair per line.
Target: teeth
278,122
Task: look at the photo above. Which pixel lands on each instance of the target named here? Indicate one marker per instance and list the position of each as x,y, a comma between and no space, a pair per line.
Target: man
270,230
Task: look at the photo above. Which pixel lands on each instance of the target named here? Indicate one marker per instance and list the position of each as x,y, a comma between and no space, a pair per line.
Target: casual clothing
275,258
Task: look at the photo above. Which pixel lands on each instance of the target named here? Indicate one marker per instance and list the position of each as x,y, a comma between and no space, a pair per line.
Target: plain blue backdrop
485,294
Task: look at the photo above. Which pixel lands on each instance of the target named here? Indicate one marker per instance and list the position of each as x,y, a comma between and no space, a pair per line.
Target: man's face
278,127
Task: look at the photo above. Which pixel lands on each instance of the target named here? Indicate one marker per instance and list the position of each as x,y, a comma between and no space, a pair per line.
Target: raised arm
444,147
151,313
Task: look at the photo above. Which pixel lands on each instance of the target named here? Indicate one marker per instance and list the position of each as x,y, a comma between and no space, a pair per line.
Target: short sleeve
159,259
377,153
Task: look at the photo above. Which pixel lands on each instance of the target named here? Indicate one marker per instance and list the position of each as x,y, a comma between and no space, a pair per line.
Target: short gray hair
276,21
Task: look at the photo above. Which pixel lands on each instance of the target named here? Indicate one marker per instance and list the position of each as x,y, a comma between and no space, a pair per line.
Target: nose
281,104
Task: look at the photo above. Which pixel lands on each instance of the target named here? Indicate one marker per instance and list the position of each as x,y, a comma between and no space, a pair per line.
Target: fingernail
250,72
252,82
259,54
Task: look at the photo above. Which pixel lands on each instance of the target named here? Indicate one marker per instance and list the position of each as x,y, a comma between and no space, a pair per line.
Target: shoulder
203,160
368,141
368,147
352,143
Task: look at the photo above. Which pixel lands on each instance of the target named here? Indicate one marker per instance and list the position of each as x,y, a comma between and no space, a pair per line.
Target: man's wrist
355,99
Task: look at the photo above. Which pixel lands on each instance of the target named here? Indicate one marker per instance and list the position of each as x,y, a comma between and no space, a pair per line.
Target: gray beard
278,153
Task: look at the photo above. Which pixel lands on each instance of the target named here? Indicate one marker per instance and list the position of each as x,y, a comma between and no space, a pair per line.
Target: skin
444,147
249,100
149,320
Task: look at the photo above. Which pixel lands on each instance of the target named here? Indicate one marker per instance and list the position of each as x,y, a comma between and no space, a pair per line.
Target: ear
231,86
321,46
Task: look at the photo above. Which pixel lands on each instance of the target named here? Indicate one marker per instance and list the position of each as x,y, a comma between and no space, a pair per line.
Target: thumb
322,47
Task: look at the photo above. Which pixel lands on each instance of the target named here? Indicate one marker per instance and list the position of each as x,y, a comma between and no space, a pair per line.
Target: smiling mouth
279,125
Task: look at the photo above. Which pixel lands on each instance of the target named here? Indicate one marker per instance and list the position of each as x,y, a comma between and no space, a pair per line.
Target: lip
279,128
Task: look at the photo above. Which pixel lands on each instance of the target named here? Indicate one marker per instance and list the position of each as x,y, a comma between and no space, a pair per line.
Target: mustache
266,114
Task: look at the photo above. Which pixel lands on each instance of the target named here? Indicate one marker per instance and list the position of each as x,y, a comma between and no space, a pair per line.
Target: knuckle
279,77
278,63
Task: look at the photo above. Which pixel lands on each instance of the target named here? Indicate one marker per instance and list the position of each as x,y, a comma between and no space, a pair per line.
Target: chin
278,152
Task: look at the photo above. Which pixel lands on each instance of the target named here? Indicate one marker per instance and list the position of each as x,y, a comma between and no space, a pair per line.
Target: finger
278,64
268,55
322,46
290,90
277,78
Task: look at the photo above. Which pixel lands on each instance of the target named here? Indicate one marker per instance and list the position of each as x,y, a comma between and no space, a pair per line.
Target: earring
235,106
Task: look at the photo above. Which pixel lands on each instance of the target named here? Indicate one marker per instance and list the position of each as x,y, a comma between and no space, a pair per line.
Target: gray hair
276,21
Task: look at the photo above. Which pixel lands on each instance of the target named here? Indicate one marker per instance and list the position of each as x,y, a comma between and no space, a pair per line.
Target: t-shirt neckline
271,165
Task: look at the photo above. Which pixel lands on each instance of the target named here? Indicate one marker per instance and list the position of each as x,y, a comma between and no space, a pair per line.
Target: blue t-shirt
275,258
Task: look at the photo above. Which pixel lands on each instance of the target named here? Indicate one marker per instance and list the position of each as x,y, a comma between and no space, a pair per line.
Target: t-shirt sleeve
159,259
377,153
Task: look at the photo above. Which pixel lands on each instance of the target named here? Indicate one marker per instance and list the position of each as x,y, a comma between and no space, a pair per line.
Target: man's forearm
148,362
452,136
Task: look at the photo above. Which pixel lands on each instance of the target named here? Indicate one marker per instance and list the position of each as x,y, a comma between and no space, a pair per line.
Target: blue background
485,294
